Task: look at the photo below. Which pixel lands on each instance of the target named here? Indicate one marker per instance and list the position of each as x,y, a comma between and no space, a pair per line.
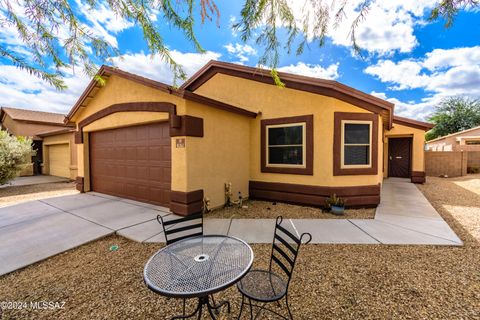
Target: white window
286,145
356,151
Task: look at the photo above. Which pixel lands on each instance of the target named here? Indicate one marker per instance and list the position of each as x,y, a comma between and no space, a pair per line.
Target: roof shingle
31,115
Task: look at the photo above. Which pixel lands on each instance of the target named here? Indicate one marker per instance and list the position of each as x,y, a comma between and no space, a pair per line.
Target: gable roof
454,134
413,123
324,87
33,116
105,71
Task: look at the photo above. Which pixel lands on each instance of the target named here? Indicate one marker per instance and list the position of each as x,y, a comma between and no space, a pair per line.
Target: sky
407,60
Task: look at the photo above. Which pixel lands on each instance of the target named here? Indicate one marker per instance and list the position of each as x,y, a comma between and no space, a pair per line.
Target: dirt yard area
271,210
16,194
330,282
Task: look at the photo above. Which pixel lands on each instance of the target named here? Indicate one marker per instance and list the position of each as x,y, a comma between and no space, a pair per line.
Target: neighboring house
466,140
142,139
59,153
30,123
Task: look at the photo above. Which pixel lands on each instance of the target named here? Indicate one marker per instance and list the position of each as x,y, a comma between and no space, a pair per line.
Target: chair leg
241,307
251,308
288,307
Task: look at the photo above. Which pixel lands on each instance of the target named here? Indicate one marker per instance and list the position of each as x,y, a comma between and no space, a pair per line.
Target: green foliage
335,200
270,23
15,153
453,115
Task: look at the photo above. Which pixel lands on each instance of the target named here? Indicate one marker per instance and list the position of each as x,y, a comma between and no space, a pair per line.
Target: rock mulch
16,194
270,210
330,281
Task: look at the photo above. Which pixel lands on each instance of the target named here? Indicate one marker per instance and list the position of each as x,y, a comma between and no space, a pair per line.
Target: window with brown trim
355,147
287,145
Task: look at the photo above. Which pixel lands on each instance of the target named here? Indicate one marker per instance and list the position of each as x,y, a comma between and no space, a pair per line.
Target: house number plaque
180,143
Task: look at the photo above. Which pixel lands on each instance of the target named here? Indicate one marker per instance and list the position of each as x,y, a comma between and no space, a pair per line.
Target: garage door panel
130,162
59,160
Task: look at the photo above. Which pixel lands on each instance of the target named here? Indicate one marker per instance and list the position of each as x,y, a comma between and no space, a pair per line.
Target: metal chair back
182,228
285,248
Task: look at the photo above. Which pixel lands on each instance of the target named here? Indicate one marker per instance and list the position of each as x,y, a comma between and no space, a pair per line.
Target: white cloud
242,51
442,72
155,68
449,72
387,28
21,90
312,70
103,22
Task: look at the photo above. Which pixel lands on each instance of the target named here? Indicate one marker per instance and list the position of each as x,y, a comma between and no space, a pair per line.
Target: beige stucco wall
418,145
275,102
59,139
120,90
26,129
221,155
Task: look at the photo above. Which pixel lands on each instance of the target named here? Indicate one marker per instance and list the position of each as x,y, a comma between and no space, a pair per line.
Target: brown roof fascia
413,123
55,132
319,86
105,70
187,95
108,71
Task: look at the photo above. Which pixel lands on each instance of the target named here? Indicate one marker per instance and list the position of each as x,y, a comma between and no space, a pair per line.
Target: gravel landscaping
271,210
16,194
330,282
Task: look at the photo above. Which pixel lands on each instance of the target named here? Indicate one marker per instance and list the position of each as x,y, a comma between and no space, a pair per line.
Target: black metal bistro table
198,267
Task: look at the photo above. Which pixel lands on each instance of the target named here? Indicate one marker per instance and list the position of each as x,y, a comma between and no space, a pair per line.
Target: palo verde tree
54,35
454,114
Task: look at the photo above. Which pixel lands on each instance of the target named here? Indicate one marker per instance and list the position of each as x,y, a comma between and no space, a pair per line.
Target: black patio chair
267,286
189,226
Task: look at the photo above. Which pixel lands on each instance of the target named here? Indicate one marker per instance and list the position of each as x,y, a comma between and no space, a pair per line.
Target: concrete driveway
35,230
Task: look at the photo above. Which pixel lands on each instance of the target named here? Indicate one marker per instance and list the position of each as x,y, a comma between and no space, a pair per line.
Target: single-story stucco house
31,123
466,140
144,140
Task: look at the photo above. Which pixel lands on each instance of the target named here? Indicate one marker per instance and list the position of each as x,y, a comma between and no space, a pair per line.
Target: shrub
473,170
15,154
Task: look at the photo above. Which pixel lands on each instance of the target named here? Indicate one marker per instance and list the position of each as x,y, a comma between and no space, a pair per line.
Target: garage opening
132,162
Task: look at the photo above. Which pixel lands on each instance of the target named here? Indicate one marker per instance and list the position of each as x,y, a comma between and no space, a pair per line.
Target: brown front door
399,154
132,162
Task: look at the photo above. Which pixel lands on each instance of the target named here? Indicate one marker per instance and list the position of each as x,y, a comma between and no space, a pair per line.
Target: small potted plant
336,204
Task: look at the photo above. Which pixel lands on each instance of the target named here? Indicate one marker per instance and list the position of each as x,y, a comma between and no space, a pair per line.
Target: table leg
204,301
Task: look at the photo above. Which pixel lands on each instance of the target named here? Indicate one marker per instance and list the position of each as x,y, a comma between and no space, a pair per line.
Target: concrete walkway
405,217
31,180
35,230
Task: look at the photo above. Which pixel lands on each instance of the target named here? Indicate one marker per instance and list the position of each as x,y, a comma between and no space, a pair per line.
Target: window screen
356,144
285,145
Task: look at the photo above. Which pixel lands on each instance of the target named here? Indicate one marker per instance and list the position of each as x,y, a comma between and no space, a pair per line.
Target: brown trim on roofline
54,133
319,86
108,71
418,177
413,123
308,120
186,203
337,144
187,95
355,196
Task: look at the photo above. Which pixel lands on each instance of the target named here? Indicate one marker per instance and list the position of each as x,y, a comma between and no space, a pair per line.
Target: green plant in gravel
15,154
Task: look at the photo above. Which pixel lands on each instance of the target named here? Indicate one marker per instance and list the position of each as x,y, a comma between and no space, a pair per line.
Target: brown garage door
132,162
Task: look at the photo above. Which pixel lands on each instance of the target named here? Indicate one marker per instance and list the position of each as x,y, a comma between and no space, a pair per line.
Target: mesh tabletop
198,266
